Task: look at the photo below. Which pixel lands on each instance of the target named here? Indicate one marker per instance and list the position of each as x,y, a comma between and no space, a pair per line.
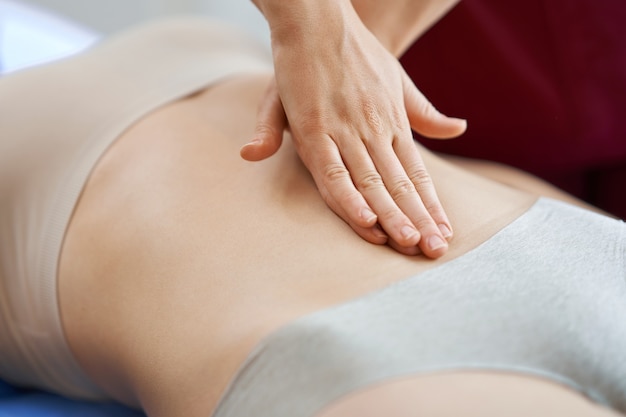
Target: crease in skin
372,116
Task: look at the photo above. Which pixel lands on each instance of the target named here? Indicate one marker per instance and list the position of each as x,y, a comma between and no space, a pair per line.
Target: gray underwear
546,297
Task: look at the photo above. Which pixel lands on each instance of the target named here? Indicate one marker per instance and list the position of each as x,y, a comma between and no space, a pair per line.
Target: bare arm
398,23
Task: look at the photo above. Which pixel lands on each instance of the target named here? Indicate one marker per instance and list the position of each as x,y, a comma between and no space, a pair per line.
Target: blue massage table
31,36
16,402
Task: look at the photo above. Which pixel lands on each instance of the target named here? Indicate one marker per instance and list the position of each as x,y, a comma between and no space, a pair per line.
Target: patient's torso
180,256
255,246
224,252
179,251
559,317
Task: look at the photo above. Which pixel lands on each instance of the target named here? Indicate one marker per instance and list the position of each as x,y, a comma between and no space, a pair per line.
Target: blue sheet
16,402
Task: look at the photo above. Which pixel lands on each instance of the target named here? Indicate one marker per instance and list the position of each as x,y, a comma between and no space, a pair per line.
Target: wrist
296,20
398,23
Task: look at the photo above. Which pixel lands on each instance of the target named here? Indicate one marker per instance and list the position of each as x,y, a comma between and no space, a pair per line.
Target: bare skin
350,108
180,256
471,394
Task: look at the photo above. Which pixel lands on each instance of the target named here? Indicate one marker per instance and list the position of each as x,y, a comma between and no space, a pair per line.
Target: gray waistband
541,297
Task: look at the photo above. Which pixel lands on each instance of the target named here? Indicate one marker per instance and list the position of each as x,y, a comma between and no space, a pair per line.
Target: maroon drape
542,84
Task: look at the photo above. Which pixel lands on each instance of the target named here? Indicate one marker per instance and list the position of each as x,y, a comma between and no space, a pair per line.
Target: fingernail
435,242
367,215
253,142
445,231
408,232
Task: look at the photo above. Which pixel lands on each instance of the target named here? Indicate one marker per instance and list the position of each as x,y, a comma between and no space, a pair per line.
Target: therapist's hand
350,108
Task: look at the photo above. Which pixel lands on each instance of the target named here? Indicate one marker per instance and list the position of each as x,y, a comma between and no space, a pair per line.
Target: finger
337,189
374,234
271,123
410,251
413,165
425,118
405,192
369,182
416,171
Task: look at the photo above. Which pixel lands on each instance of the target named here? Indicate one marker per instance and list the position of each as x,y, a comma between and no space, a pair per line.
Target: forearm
307,20
398,23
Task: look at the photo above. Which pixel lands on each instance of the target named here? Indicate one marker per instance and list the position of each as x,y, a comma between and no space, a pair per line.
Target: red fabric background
542,84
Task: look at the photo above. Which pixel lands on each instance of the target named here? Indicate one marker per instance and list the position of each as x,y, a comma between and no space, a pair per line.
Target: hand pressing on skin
350,107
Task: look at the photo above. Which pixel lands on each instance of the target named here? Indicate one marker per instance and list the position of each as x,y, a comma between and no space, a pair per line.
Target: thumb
271,123
425,118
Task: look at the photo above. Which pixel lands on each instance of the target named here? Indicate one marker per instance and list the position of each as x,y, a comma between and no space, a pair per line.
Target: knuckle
423,223
392,217
265,129
335,172
402,188
399,118
373,120
420,177
369,181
